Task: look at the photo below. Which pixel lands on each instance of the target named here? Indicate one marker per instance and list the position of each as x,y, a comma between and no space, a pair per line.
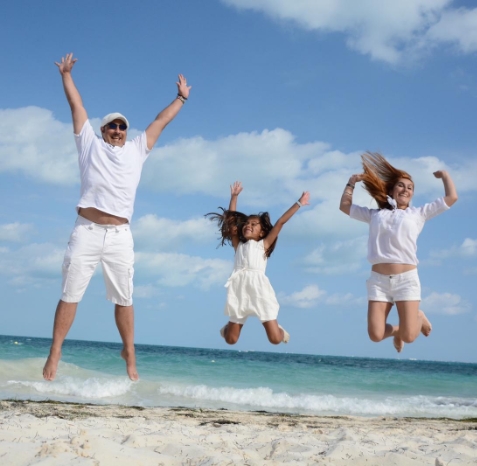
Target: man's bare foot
130,359
398,344
51,365
426,326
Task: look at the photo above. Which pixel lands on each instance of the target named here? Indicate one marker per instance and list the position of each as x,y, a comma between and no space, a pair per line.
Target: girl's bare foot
398,344
426,326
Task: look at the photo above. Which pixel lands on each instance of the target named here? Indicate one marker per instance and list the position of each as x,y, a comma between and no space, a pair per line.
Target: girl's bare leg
232,332
378,329
412,321
275,334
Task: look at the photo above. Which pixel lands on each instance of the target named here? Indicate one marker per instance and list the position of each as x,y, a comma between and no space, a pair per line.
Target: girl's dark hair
231,223
380,177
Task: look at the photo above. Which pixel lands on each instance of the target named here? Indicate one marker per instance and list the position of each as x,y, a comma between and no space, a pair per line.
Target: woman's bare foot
51,365
398,344
426,326
130,359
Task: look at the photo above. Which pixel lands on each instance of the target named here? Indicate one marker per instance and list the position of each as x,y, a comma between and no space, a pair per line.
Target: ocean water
93,372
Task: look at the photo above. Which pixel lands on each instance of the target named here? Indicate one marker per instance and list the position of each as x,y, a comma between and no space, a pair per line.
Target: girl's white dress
249,292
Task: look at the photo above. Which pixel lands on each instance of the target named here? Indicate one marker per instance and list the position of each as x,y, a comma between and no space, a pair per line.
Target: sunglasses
122,126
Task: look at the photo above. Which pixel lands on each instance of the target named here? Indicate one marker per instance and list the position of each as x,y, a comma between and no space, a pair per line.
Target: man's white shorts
391,288
91,243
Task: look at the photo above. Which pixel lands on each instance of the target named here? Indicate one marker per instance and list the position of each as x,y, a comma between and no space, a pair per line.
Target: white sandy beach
49,433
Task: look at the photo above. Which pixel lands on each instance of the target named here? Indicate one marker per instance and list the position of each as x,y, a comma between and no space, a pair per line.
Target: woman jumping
393,231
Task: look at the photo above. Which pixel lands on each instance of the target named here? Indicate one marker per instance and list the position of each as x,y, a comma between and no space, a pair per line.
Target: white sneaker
222,331
286,335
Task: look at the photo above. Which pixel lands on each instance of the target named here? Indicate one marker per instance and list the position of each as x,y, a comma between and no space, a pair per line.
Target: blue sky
286,96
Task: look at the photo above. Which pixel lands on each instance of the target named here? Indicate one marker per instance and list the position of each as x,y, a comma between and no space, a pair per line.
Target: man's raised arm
154,130
78,112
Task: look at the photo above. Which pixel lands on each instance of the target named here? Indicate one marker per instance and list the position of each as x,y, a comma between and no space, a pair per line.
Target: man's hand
182,88
78,111
66,64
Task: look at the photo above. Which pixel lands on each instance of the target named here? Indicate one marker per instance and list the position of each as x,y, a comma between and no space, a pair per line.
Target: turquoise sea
93,372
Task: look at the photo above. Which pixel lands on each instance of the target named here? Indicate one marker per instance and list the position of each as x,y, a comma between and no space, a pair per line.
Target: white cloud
445,303
384,30
156,233
274,167
347,299
338,258
34,264
312,295
304,299
146,291
467,249
267,160
178,270
34,143
15,232
458,27
37,264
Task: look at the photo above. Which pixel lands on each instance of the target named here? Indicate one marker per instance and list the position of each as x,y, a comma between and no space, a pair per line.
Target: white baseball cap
114,116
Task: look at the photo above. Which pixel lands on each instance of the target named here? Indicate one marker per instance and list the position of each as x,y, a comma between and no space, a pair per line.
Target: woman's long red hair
380,177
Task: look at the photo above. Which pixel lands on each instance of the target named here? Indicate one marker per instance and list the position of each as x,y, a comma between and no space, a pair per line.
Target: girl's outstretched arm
235,189
272,236
450,197
347,197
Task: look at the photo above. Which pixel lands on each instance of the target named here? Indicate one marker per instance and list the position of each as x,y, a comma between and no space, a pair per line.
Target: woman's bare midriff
392,269
99,217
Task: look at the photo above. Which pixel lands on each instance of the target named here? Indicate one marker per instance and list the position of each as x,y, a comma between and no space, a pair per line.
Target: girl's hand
356,178
236,188
440,173
305,198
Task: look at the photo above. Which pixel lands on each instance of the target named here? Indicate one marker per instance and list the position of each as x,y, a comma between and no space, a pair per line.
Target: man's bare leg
64,317
124,316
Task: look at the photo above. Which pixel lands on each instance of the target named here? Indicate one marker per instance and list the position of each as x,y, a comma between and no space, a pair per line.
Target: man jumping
110,170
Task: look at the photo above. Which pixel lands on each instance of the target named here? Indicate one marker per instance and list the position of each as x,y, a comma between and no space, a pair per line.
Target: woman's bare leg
412,321
378,328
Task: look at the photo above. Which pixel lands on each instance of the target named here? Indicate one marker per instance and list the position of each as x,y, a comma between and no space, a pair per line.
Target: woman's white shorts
391,288
90,244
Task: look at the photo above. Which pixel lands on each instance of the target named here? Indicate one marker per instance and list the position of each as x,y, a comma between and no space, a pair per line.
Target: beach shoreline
51,432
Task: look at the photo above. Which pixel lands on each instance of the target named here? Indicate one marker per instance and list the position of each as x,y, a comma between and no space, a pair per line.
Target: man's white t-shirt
109,174
393,233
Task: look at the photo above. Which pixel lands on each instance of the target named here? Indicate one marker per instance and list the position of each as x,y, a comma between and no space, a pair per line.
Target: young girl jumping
249,292
393,231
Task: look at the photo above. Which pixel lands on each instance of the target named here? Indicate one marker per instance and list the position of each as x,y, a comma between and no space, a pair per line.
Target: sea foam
91,389
265,398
